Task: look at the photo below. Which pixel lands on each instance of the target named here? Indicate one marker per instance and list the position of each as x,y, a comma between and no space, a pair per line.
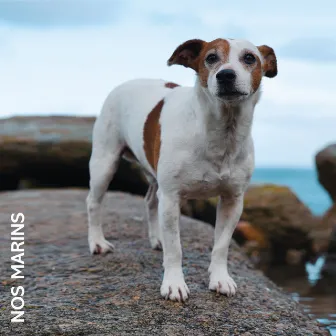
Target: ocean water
302,181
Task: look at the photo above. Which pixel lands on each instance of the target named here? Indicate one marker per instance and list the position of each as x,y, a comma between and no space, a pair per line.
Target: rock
253,241
329,221
284,219
69,292
326,167
54,152
276,216
322,233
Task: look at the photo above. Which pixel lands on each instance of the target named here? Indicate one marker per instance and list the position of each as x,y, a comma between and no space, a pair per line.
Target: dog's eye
212,58
249,59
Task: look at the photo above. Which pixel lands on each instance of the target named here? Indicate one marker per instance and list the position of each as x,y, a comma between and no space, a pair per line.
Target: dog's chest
212,174
204,156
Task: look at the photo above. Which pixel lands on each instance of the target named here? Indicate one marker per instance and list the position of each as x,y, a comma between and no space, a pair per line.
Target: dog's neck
227,126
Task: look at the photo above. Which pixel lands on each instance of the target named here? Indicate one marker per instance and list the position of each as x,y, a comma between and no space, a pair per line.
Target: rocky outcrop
326,235
54,152
69,292
275,222
329,221
285,220
326,168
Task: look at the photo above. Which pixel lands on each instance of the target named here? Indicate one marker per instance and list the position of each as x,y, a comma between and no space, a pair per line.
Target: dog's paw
174,288
100,246
221,282
155,243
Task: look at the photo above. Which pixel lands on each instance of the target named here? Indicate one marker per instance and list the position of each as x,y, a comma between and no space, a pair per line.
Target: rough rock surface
54,152
284,219
69,292
326,168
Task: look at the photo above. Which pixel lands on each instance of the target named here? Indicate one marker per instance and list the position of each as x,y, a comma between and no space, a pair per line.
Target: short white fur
201,155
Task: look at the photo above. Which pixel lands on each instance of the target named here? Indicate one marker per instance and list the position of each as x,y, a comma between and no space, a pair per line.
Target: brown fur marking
222,48
255,69
270,62
152,135
192,54
171,85
256,75
187,53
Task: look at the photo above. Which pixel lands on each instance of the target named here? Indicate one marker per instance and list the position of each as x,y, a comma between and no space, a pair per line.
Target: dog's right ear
187,53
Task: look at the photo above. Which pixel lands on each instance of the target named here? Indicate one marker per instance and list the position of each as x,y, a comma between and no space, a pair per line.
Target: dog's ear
270,67
187,53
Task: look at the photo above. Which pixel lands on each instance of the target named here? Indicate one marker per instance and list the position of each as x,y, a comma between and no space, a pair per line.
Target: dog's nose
226,76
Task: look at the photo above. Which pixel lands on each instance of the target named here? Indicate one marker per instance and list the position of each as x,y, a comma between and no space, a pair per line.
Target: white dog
191,142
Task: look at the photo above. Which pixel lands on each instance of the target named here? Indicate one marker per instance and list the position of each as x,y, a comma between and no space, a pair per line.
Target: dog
191,143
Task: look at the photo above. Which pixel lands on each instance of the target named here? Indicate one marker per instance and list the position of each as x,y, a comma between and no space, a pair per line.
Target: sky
64,56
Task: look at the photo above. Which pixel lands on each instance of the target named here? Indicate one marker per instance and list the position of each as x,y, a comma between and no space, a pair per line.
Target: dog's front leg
228,214
173,285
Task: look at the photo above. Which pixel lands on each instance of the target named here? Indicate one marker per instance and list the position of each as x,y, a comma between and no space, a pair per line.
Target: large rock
54,152
69,292
285,220
322,232
326,168
275,221
329,221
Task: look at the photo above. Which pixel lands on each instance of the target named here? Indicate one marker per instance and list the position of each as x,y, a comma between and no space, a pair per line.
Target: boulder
54,152
276,225
69,292
322,233
284,219
329,221
254,242
326,168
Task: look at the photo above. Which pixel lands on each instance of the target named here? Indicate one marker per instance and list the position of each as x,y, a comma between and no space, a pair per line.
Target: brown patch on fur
270,62
222,48
187,53
152,135
255,69
256,75
192,53
171,85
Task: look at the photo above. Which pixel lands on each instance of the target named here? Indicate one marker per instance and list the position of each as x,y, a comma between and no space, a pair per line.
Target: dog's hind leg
151,201
103,165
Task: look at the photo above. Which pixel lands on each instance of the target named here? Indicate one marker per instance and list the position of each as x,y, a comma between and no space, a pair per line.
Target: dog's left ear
270,67
187,53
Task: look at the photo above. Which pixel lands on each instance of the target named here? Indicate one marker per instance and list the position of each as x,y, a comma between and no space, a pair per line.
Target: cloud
322,49
60,13
71,68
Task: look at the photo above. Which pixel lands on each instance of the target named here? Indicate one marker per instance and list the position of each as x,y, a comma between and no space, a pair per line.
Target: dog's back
121,123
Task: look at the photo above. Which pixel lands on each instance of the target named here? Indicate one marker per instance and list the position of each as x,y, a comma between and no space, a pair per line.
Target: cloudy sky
64,56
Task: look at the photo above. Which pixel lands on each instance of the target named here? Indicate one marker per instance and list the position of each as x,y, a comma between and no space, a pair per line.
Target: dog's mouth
231,94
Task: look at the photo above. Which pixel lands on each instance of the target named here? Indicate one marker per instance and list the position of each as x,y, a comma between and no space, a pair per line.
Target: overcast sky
63,57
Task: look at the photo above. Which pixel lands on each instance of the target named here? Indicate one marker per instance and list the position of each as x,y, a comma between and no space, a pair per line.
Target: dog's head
231,70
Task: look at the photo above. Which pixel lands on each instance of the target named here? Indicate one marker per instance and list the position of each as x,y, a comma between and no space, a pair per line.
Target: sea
302,181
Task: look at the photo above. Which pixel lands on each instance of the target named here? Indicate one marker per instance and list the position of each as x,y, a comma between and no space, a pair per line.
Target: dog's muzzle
226,84
226,77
